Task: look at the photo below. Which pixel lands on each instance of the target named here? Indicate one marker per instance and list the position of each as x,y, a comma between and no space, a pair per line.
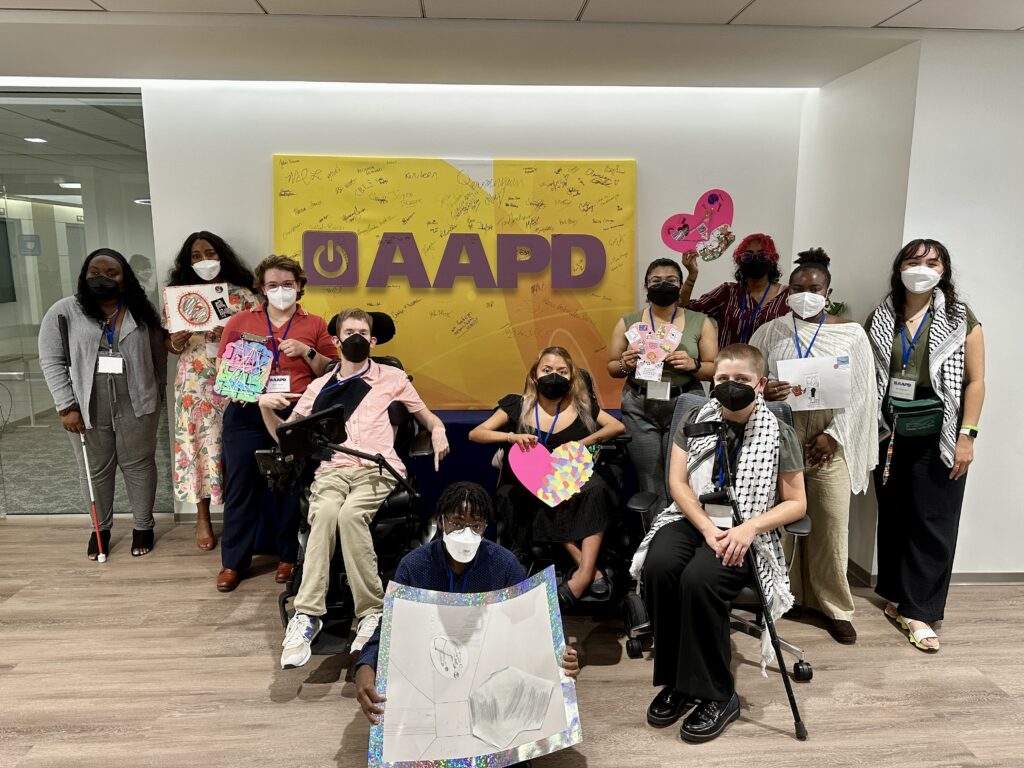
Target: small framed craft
244,370
473,680
196,307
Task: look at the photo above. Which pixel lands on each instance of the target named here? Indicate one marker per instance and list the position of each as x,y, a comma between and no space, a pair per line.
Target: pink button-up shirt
368,428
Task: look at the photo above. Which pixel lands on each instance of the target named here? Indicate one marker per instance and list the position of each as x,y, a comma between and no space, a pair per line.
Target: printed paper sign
706,230
653,347
196,307
473,679
818,383
552,476
244,370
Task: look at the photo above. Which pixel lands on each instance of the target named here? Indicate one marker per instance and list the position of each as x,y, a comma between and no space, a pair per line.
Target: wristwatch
311,354
970,430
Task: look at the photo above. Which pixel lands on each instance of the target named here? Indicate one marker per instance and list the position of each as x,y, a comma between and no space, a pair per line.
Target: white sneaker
298,638
367,626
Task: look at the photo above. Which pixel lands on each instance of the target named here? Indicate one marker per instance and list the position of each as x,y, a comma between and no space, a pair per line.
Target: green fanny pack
916,418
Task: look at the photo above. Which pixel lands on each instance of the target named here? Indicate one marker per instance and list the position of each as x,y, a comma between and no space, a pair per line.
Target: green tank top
693,324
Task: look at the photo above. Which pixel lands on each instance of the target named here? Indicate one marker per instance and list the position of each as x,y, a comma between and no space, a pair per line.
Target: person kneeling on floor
693,560
347,490
458,560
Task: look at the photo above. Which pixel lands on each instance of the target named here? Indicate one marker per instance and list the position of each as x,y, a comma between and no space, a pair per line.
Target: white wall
215,172
851,193
965,190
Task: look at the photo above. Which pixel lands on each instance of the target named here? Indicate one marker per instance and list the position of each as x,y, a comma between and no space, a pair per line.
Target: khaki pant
343,501
819,572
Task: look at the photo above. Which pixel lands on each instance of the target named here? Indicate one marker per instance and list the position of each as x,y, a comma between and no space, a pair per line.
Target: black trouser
245,488
918,520
689,593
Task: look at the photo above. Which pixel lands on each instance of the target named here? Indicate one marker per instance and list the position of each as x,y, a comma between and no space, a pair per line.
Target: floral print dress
198,412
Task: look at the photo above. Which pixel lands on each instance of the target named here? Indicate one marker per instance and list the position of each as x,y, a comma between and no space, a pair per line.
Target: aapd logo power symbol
333,256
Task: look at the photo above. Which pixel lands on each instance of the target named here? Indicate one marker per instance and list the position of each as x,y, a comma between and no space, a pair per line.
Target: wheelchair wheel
802,671
634,648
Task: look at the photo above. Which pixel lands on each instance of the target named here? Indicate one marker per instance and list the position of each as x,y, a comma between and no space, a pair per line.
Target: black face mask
664,295
103,288
553,386
733,395
355,348
755,270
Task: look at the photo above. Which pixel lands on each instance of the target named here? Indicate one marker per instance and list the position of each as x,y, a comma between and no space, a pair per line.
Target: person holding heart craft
757,296
557,407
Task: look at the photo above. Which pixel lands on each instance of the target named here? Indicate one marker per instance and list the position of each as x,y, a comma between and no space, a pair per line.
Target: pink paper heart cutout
686,232
554,476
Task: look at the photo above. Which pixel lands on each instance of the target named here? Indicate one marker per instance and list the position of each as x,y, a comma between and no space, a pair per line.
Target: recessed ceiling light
142,201
71,185
35,140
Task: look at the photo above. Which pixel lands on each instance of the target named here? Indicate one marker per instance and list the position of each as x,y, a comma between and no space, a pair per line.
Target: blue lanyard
338,382
536,420
109,329
651,313
745,332
273,341
796,337
903,339
721,464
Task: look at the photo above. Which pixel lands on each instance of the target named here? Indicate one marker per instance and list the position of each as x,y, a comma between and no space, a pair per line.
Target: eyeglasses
272,286
673,281
458,523
748,256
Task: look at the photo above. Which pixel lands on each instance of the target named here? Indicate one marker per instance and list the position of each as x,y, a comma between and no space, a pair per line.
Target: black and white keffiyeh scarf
756,487
946,349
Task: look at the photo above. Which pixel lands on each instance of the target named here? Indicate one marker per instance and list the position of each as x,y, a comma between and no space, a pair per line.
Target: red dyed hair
767,245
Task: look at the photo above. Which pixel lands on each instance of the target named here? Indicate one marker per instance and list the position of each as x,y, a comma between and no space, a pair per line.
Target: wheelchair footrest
334,637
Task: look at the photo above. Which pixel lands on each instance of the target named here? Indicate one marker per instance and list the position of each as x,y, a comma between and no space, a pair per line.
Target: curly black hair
133,295
813,259
232,270
466,497
899,292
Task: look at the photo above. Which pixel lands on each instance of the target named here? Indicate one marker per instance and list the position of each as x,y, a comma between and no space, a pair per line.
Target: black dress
523,518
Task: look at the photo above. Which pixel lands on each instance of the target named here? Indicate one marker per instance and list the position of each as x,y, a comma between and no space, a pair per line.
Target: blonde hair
579,392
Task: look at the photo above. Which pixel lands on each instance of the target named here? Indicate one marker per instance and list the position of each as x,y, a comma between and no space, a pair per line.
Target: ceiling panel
392,8
961,14
183,6
541,10
820,13
664,11
50,5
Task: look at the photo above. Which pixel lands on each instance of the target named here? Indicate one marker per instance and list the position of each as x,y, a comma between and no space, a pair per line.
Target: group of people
917,380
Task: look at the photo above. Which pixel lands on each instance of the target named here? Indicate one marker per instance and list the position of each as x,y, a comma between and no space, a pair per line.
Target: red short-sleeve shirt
307,328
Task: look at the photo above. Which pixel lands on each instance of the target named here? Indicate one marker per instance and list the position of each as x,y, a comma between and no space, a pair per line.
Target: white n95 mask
462,544
207,269
282,298
806,304
920,279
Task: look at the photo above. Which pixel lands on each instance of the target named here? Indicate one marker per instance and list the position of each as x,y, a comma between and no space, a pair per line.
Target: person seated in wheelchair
347,491
693,559
459,560
557,407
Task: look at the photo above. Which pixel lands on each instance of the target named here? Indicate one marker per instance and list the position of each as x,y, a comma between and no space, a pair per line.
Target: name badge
902,389
211,350
110,364
720,514
281,382
659,390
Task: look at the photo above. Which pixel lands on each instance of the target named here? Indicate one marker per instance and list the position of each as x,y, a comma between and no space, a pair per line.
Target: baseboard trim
860,577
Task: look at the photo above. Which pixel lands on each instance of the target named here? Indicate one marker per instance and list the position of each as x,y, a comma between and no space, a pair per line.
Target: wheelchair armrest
421,446
642,501
801,527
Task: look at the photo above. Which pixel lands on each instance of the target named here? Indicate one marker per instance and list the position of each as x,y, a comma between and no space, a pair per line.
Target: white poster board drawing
473,677
196,307
818,383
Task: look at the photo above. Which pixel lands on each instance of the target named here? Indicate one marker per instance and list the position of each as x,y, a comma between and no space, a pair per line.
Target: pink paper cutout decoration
706,230
552,476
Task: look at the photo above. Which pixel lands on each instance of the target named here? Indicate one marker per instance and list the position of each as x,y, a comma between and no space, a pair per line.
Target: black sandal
142,540
566,599
93,551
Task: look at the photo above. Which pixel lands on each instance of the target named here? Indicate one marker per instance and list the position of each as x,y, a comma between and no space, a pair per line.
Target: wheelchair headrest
383,327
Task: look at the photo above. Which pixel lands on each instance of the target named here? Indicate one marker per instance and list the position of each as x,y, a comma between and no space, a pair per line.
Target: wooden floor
141,662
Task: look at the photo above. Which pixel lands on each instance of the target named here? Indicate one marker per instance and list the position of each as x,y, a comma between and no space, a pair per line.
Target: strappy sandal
566,599
142,540
93,551
918,636
893,615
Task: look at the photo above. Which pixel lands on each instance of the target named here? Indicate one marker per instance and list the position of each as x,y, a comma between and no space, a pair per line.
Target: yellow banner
481,263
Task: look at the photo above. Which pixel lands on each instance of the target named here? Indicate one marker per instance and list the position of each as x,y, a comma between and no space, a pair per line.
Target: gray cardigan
145,359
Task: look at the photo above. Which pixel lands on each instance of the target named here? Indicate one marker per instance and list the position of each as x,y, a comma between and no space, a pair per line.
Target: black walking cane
62,323
727,496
